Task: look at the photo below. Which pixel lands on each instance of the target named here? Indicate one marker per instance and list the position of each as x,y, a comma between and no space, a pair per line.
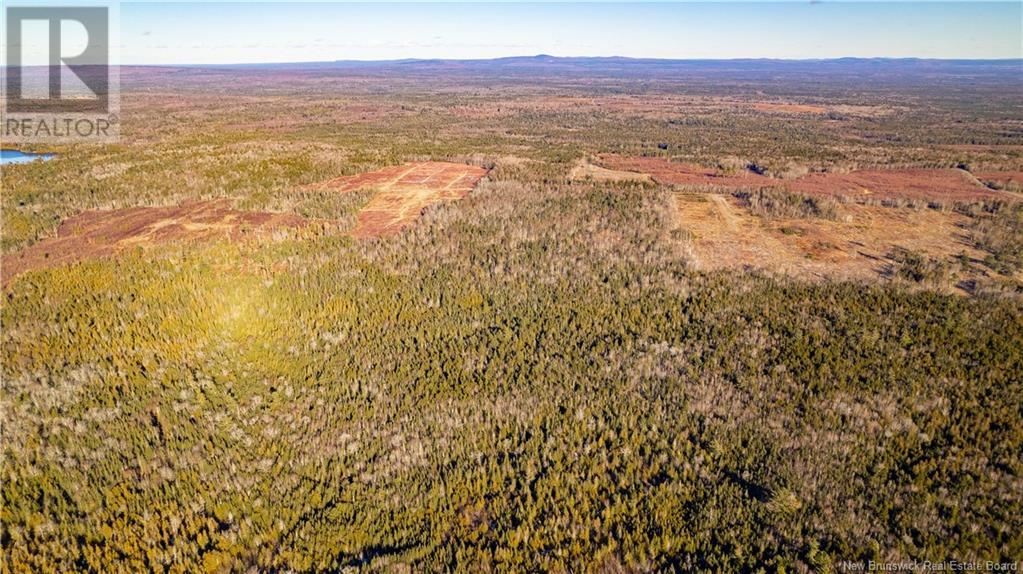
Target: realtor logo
59,82
91,66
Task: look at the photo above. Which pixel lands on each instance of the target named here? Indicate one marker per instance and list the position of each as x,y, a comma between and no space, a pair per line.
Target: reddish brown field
93,234
1006,178
404,191
946,185
943,185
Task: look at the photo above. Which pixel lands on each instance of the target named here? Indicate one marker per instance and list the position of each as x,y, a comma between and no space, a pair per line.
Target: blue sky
249,32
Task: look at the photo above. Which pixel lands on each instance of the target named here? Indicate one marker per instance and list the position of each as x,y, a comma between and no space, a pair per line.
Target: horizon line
549,57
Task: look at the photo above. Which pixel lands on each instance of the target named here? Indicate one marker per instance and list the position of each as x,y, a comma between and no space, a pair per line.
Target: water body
14,156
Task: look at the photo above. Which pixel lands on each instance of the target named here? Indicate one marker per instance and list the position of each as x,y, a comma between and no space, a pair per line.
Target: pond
14,156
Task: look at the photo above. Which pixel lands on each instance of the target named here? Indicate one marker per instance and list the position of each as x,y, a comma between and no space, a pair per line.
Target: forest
534,378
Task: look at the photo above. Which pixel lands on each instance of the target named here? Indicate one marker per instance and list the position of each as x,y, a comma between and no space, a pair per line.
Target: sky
262,32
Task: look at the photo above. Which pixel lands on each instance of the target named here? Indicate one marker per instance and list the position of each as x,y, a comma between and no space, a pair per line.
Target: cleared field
404,191
103,233
584,170
859,246
941,185
668,172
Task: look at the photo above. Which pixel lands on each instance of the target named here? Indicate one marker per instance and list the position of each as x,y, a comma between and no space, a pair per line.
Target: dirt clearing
668,172
92,234
584,170
404,191
725,235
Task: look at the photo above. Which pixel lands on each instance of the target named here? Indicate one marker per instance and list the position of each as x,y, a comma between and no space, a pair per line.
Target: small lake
14,156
